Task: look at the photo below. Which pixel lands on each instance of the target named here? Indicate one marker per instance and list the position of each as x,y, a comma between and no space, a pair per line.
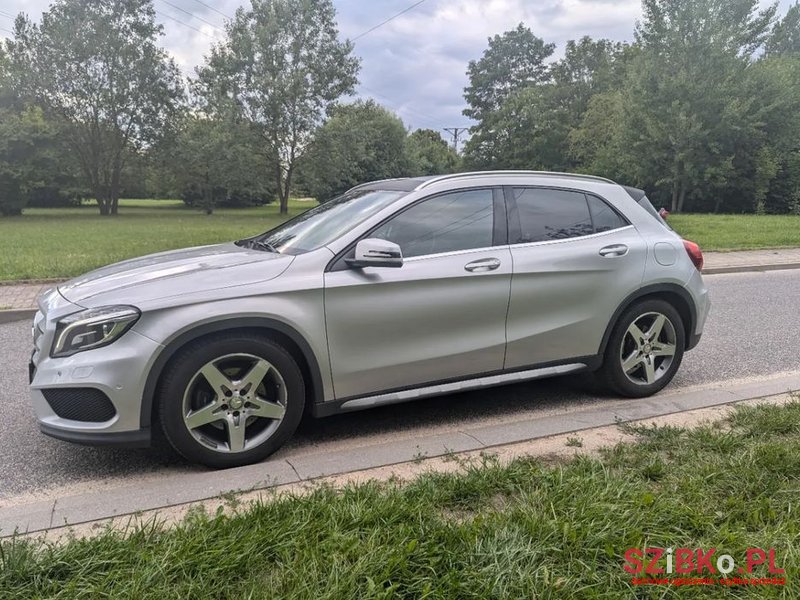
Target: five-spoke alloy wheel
231,400
645,349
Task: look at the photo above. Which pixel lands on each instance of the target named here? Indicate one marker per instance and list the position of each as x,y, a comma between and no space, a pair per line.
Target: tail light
694,252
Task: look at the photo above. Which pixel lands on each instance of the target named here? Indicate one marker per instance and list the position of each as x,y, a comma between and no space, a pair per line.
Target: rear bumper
139,438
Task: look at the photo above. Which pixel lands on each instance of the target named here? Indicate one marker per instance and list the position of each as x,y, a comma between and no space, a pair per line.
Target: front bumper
118,371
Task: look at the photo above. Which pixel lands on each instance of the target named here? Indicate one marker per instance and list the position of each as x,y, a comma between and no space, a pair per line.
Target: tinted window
604,217
446,223
551,215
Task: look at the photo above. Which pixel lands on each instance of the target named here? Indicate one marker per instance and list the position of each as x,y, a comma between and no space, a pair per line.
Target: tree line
701,109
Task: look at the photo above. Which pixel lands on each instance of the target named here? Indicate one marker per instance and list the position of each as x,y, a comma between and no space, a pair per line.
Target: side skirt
440,389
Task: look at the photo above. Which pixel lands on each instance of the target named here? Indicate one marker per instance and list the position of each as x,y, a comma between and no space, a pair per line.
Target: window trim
499,232
515,224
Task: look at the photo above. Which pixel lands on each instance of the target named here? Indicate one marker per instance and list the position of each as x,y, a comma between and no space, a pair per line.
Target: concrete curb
750,268
182,488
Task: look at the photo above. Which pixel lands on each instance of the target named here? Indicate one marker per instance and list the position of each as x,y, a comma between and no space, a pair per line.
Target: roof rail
434,180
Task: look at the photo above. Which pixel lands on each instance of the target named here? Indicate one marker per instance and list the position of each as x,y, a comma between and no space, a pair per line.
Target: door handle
482,265
614,251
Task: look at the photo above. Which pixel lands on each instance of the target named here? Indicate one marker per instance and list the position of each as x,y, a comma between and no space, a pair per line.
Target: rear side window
604,218
547,214
551,215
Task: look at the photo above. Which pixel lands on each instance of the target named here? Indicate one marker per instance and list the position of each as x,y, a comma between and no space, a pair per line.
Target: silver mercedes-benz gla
397,290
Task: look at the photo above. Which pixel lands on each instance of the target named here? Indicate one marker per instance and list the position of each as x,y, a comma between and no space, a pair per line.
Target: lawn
55,242
739,232
530,529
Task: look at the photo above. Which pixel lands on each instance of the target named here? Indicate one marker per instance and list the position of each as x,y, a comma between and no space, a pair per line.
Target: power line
185,24
7,30
194,16
208,6
9,15
382,23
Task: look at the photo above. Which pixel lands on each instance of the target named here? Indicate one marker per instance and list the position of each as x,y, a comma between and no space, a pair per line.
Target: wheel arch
280,332
676,295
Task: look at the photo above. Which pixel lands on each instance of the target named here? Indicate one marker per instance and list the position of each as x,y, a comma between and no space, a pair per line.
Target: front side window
454,221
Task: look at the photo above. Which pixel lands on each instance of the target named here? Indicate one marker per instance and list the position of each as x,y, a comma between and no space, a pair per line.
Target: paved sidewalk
20,297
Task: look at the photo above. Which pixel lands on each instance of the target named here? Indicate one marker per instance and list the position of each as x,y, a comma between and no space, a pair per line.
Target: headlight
92,328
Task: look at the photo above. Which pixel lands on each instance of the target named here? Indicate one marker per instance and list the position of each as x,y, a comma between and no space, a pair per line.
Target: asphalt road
753,330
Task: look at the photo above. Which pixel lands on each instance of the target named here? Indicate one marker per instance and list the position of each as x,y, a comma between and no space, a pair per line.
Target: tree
96,68
360,142
513,60
280,68
216,162
687,117
785,37
429,154
30,161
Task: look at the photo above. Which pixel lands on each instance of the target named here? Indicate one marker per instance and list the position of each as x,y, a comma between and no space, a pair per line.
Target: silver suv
397,290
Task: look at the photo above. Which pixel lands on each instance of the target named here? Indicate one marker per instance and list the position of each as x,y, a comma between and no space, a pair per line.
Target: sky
415,64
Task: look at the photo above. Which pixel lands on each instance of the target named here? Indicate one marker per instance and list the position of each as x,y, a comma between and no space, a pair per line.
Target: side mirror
373,252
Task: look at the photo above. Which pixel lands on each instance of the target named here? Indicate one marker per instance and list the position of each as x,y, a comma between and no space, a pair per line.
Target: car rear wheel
645,349
231,400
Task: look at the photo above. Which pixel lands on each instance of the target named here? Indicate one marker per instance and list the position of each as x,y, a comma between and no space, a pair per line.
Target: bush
51,197
224,198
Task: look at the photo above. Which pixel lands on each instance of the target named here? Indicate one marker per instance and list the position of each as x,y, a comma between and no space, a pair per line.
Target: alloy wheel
234,403
648,348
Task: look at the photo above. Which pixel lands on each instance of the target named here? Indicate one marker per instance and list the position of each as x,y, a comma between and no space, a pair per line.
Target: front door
441,315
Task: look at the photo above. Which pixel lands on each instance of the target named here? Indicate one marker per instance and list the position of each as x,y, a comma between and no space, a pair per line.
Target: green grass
739,232
64,242
525,530
53,243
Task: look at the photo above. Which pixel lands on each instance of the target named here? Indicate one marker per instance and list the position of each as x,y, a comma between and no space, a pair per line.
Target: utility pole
456,133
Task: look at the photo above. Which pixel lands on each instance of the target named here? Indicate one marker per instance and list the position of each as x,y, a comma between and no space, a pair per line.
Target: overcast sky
416,63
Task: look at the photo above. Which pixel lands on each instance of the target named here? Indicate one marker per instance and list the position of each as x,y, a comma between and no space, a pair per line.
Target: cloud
415,64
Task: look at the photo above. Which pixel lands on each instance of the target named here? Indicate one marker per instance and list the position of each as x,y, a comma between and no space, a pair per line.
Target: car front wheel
645,349
231,400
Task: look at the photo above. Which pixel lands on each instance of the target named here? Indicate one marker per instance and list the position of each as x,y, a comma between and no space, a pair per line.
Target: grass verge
522,530
739,232
64,242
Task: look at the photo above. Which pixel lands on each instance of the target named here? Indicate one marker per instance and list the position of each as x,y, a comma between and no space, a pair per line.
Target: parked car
396,290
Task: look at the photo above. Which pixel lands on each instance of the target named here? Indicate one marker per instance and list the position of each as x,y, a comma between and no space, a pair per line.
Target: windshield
325,223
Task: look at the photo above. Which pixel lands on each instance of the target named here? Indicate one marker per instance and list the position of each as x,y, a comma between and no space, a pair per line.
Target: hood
173,273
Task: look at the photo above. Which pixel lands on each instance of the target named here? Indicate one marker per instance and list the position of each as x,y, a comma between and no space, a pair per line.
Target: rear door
441,315
575,260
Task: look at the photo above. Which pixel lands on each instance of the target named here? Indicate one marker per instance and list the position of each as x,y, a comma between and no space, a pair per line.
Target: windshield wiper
257,245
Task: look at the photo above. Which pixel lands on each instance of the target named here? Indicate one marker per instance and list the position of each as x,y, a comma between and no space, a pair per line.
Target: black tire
183,371
612,374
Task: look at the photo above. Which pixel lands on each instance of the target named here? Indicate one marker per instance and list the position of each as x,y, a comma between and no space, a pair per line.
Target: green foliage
428,153
95,67
526,529
280,68
785,37
214,163
513,60
360,142
701,111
